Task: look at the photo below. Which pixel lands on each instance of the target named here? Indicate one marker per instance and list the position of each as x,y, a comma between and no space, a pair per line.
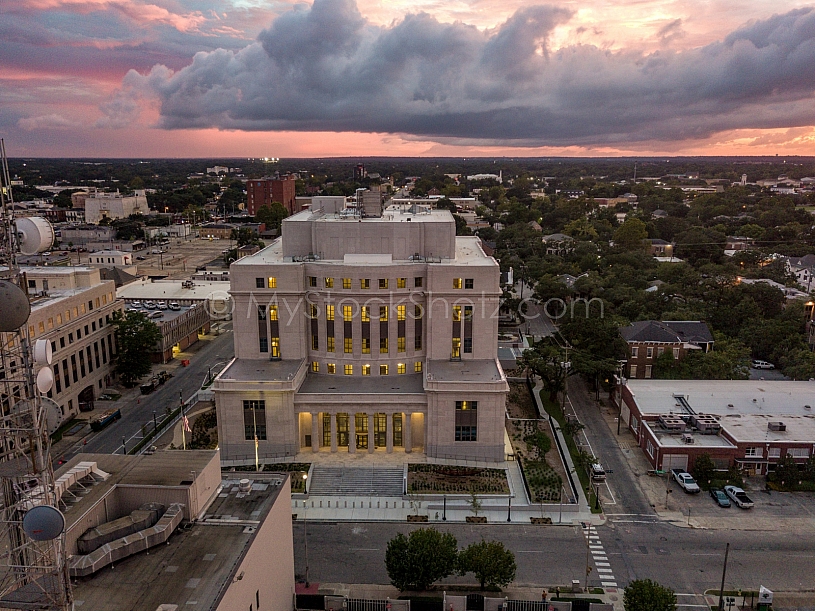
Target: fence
469,602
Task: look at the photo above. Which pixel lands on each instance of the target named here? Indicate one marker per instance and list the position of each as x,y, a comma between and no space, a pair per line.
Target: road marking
602,566
364,549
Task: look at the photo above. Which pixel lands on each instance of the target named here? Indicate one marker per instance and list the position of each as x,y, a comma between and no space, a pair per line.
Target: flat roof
167,314
197,564
391,214
172,290
260,370
320,383
464,371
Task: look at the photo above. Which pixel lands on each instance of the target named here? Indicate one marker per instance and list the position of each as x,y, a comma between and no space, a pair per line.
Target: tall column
315,432
371,436
407,433
333,432
389,433
352,425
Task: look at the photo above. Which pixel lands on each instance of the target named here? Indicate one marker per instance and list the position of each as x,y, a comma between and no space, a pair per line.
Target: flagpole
183,422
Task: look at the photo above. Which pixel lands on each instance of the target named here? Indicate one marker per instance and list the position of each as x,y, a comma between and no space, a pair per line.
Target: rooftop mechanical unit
671,423
776,426
687,438
705,424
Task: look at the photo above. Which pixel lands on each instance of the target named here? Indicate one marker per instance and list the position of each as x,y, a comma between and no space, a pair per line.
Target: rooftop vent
776,426
687,438
245,485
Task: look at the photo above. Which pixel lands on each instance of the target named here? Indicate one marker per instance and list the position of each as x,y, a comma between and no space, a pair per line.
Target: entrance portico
358,431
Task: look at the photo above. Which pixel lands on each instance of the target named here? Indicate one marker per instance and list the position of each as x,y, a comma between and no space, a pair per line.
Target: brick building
648,339
264,191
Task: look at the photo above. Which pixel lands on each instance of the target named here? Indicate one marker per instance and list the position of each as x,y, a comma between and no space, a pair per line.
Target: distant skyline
245,78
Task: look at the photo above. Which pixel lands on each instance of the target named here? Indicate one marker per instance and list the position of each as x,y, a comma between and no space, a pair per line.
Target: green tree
700,245
136,338
647,595
704,470
549,362
631,235
421,558
272,215
245,237
493,564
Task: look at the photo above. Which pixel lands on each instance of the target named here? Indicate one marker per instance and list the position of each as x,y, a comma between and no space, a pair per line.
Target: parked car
157,314
174,305
135,304
161,305
739,497
598,474
139,258
720,497
762,365
149,305
685,481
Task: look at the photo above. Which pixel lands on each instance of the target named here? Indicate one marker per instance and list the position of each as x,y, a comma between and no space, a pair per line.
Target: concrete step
356,481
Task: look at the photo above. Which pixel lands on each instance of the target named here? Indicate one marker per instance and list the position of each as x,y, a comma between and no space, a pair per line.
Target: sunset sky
248,78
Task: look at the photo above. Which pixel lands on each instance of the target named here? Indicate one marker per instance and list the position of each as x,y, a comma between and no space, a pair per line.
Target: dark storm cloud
325,67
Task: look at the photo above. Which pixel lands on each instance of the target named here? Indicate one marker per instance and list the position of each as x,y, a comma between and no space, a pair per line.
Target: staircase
356,481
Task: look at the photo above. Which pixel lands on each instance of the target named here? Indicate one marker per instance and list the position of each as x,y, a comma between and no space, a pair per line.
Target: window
366,345
348,345
383,345
329,344
466,421
456,313
329,283
468,345
273,312
417,282
648,371
312,281
315,367
634,352
254,420
660,351
261,312
365,313
329,312
275,347
401,368
312,311
264,344
752,451
364,283
401,344
798,452
649,353
383,283
366,370
383,313
676,353
468,312
401,283
346,283
347,313
272,283
774,453
468,283
42,327
62,342
401,312
456,283
331,368
417,367
315,342
649,447
349,370
633,371
383,370
456,351
418,311
59,319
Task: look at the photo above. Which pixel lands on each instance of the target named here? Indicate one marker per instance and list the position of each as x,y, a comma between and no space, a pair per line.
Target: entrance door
397,430
380,430
342,430
361,421
86,399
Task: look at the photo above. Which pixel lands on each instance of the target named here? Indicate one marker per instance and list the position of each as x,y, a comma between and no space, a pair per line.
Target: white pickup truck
685,481
738,496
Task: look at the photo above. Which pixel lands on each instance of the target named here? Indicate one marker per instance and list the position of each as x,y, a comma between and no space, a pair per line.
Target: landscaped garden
451,479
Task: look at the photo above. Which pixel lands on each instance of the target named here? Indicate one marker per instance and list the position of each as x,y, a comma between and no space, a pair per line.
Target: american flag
186,423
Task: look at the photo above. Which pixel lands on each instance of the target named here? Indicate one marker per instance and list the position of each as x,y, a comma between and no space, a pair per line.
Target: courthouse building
364,332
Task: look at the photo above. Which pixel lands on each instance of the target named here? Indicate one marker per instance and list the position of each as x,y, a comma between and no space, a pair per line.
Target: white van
598,474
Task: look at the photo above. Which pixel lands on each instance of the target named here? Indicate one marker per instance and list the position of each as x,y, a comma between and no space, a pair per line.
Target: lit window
329,344
331,368
383,283
275,347
348,345
346,283
366,370
401,368
315,366
364,283
365,313
349,370
329,283
383,345
312,311
383,370
41,327
401,343
383,312
417,367
272,283
456,313
456,283
401,283
273,312
312,281
456,353
347,313
329,312
401,312
468,283
366,346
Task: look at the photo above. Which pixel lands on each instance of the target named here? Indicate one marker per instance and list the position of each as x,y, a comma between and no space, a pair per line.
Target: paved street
138,409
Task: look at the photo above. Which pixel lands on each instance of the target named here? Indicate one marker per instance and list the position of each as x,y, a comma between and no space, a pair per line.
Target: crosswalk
599,556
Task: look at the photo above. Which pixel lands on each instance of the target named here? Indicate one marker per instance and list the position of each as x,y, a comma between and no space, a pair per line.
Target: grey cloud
325,67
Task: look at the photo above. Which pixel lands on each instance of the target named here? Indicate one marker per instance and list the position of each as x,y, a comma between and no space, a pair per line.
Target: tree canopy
136,339
421,558
493,564
648,595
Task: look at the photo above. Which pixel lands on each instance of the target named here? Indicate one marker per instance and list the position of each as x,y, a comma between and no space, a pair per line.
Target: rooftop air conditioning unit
776,426
687,438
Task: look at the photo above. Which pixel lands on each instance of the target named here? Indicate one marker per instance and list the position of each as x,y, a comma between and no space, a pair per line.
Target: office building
264,191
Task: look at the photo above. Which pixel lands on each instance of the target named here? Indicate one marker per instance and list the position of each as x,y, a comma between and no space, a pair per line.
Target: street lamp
444,510
621,367
509,509
305,531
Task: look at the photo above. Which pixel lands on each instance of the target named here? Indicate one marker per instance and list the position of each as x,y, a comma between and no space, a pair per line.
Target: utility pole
620,395
724,572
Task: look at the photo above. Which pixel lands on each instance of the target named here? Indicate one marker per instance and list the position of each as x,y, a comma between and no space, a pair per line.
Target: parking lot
180,259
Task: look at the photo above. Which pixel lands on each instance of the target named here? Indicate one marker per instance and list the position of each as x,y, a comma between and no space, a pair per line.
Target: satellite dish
34,234
45,379
43,523
43,352
15,306
53,415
